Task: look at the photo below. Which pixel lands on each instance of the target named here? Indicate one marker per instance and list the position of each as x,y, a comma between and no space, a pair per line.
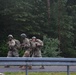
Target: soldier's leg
8,55
26,54
38,54
15,53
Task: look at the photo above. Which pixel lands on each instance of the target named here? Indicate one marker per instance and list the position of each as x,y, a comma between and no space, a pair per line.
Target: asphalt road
37,69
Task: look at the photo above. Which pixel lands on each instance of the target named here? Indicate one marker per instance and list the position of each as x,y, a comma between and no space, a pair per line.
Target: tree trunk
48,10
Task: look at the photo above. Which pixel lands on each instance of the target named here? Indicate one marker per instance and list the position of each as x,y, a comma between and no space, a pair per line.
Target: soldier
36,45
1,74
13,46
26,46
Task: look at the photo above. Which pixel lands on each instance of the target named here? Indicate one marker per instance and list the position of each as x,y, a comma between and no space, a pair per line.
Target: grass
39,73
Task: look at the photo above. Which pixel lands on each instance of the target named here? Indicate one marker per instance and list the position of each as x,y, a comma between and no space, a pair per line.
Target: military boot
7,66
42,67
30,67
23,67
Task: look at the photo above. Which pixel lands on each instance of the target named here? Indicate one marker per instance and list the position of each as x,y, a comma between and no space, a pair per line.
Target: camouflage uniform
13,46
26,46
36,46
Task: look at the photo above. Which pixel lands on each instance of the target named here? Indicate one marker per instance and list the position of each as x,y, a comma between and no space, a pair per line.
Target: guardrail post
68,71
26,70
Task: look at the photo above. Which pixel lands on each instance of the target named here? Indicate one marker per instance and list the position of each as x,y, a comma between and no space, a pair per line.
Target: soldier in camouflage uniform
36,45
13,46
26,46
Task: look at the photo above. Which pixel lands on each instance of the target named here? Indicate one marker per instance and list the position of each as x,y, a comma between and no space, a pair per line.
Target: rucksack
17,43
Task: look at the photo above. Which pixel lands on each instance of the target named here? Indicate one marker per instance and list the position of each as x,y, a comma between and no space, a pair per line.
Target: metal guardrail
46,61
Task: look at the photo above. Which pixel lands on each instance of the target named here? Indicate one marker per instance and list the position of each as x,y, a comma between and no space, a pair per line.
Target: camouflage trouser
37,53
27,53
13,53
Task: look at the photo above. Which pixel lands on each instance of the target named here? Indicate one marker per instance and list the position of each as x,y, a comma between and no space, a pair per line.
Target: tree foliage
31,17
50,48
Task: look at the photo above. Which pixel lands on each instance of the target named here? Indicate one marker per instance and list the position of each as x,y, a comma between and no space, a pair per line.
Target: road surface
36,69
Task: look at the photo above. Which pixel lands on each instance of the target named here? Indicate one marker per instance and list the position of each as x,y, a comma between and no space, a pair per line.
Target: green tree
50,48
65,30
31,17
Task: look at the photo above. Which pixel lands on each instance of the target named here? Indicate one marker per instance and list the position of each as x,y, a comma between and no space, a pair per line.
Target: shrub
3,49
50,48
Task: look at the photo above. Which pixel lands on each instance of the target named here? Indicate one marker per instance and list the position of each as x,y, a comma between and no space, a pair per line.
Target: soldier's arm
39,41
17,45
28,43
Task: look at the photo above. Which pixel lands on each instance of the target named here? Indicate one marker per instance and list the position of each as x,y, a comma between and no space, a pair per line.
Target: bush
50,48
3,49
69,53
